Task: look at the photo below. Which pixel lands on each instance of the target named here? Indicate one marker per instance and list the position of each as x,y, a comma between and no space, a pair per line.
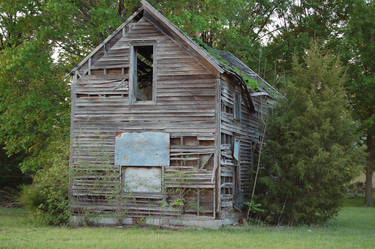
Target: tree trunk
120,10
369,170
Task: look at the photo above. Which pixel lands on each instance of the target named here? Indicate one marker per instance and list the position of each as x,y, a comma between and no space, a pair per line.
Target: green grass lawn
353,228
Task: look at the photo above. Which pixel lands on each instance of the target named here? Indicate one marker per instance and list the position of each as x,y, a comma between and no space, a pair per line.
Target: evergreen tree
311,148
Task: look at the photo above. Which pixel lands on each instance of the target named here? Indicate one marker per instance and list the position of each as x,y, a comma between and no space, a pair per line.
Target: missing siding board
226,139
225,108
110,71
190,141
114,71
206,161
97,71
206,142
176,141
79,95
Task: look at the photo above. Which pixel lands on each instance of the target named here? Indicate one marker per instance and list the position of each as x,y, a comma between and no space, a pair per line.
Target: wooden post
218,148
198,201
73,107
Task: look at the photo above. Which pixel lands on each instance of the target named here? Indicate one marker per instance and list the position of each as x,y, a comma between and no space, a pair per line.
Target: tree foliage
312,147
357,50
34,101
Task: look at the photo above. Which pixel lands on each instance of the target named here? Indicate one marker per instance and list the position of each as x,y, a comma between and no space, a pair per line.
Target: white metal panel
139,179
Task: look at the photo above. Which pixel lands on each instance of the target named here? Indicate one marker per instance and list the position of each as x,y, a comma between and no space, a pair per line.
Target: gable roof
217,61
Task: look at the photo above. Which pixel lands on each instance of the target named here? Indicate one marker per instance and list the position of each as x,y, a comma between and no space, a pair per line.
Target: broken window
143,69
237,106
236,149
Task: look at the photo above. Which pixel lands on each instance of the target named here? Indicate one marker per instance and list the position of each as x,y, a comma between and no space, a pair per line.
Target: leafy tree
358,49
312,147
296,26
239,28
34,102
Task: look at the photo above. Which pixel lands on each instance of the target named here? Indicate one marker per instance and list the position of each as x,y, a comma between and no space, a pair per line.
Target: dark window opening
237,106
143,73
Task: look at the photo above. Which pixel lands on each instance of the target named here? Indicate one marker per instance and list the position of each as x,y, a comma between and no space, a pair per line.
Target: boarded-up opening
142,179
143,61
142,149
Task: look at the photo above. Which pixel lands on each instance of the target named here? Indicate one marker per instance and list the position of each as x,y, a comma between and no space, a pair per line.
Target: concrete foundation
182,221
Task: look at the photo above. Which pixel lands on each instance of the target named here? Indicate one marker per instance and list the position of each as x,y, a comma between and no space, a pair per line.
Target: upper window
237,106
143,81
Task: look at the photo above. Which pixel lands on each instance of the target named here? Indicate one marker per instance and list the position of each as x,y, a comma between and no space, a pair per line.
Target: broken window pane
237,106
143,71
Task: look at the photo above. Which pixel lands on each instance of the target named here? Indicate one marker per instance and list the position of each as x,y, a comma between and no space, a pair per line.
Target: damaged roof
230,62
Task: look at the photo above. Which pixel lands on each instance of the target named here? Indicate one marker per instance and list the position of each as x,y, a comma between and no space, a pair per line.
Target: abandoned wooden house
163,130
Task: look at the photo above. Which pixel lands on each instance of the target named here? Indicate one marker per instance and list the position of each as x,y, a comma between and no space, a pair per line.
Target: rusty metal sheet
142,149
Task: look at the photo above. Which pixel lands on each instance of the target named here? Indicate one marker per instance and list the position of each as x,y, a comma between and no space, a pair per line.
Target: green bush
47,198
312,146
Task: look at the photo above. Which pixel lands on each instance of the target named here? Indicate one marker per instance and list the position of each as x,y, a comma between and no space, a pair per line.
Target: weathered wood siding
235,174
185,108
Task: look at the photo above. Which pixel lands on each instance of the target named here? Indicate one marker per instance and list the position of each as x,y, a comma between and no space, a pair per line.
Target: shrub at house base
312,147
47,198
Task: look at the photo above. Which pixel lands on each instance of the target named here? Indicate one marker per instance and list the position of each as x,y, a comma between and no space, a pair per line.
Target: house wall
185,108
235,182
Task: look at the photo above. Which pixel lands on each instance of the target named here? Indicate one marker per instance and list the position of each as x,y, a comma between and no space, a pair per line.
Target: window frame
132,98
237,106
